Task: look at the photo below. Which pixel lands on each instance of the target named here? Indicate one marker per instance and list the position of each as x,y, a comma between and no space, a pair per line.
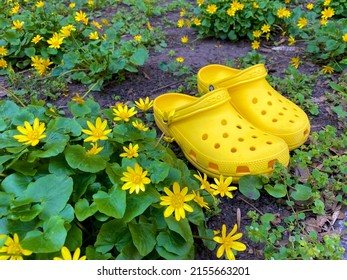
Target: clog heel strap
215,138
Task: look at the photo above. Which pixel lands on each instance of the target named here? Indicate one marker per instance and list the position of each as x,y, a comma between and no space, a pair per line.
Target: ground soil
152,81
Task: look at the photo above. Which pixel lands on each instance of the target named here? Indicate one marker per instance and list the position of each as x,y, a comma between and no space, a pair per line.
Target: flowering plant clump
99,185
73,41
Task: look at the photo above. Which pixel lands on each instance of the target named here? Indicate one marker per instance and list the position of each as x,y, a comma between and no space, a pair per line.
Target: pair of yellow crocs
240,126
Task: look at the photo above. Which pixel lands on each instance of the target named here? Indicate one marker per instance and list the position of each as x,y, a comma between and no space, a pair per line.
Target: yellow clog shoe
215,138
257,101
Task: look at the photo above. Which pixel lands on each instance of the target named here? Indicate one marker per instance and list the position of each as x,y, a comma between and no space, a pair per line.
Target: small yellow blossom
55,41
3,63
31,135
327,13
138,38
222,187
12,250
3,51
36,39
184,39
65,31
139,125
77,99
257,33
66,255
196,21
327,69
200,2
81,16
323,21
40,64
15,9
72,5
326,3
295,61
255,45
149,26
97,131
344,37
122,112
40,4
176,201
302,22
228,242
144,105
17,24
135,179
182,12
211,9
96,24
180,59
94,150
94,35
131,151
291,41
180,23
283,13
266,28
310,6
200,200
205,185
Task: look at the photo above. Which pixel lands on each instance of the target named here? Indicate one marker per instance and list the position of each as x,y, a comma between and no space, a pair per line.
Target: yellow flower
184,39
295,62
180,59
12,250
265,28
326,3
327,69
77,99
94,150
105,22
327,13
291,41
182,12
196,21
135,179
72,5
211,9
255,45
200,2
231,12
66,255
344,37
228,243
55,41
144,105
257,33
17,24
97,131
91,3
222,186
323,21
3,63
94,35
15,9
123,113
180,23
65,31
139,125
31,135
302,22
309,6
131,151
138,38
168,139
81,16
176,201
205,185
200,200
149,26
40,64
36,39
96,24
3,51
40,4
283,13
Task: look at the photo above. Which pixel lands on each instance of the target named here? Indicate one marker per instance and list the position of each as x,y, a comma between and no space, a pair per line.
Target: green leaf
65,126
159,171
74,237
50,239
52,192
171,246
76,156
112,204
279,190
79,110
114,233
250,185
136,204
83,210
139,57
15,183
143,236
301,192
30,51
182,227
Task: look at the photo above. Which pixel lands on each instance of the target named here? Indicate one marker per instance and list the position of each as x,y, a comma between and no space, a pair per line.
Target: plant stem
13,95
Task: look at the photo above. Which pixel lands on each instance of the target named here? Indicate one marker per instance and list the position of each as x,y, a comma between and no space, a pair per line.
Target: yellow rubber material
257,101
215,138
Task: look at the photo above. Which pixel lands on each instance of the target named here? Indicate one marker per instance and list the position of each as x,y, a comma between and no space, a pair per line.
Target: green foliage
56,194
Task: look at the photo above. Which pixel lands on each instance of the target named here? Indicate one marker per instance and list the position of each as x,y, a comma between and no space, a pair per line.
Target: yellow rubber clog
257,101
215,138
